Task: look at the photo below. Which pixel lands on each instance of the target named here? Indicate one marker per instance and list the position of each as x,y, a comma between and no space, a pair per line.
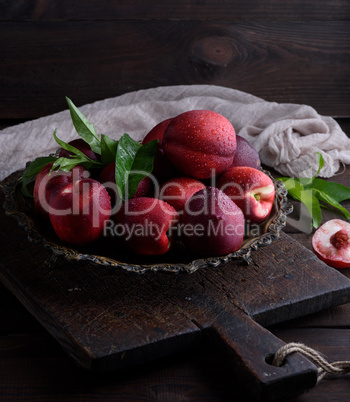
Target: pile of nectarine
205,186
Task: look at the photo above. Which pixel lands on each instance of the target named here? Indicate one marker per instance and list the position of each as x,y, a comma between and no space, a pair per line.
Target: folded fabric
287,136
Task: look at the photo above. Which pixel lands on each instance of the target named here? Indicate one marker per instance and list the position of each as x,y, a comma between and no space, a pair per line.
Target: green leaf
126,153
307,181
310,191
24,188
32,170
297,191
77,158
322,196
142,166
84,128
109,149
70,148
320,164
291,183
337,191
67,164
313,206
133,162
35,167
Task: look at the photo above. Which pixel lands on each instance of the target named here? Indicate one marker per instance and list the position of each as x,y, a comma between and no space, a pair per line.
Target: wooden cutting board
110,319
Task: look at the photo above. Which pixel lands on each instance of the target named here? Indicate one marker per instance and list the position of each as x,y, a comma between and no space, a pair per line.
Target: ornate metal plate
108,253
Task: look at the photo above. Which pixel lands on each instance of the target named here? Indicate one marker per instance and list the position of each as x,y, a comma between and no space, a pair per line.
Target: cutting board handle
251,349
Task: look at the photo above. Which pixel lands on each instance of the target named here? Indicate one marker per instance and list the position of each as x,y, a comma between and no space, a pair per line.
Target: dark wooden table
290,52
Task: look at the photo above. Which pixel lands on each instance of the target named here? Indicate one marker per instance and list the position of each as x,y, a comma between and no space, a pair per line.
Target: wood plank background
287,10
283,51
287,52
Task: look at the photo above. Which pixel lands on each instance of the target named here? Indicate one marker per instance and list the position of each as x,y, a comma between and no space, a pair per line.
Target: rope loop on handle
324,368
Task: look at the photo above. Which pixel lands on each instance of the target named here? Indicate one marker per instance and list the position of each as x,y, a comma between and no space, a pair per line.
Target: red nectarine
162,168
179,190
212,224
79,211
200,143
47,181
143,222
251,189
246,154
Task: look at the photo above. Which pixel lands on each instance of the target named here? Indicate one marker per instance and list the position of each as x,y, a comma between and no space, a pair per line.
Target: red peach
251,189
331,243
46,182
79,211
179,190
212,224
157,132
143,224
200,143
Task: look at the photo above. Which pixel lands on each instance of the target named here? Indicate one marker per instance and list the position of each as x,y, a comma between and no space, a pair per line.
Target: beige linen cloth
287,136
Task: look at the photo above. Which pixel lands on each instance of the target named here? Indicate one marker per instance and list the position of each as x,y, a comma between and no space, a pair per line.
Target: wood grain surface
290,51
181,9
256,57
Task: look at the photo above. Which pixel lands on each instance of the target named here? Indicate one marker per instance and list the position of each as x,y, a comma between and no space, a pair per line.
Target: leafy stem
133,160
310,191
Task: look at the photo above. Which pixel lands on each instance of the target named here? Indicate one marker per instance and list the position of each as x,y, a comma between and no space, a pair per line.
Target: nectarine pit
340,239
